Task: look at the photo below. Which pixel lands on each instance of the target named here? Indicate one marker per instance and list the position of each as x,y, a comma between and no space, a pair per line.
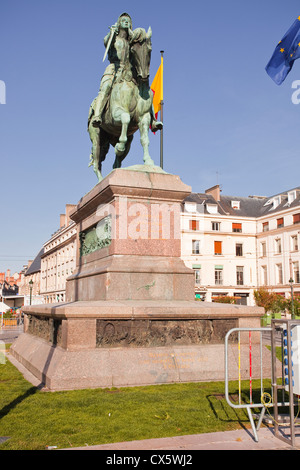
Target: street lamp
30,289
292,297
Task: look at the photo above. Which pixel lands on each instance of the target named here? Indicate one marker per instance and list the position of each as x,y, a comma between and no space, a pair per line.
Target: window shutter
280,222
296,218
236,227
218,248
194,225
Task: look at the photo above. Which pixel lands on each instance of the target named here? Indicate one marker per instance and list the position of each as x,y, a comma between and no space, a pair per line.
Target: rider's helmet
124,14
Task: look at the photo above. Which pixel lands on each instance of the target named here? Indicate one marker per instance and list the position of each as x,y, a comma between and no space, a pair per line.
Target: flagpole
162,120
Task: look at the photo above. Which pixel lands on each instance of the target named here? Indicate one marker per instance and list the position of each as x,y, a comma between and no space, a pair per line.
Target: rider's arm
111,29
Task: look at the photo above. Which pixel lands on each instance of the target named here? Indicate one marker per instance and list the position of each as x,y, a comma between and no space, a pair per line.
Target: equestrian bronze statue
125,101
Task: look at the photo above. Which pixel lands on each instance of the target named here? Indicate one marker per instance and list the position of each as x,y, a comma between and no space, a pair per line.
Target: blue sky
225,120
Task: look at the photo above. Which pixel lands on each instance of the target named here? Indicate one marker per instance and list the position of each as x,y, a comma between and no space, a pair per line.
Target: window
264,275
263,247
190,207
296,218
194,224
235,205
294,243
265,226
212,208
219,275
197,276
291,196
280,222
195,247
296,274
278,245
238,249
240,275
218,248
236,227
216,226
276,201
279,273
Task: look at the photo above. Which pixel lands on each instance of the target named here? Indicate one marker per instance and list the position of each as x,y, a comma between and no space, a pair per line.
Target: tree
271,301
288,305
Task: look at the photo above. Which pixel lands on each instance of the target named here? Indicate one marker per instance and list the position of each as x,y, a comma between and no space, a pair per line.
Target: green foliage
288,305
275,303
271,301
226,299
8,314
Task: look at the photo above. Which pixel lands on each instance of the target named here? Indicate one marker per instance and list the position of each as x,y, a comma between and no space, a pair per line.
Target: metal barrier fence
281,331
8,322
250,405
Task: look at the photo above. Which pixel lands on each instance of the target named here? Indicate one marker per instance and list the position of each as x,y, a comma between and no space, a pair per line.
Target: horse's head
141,52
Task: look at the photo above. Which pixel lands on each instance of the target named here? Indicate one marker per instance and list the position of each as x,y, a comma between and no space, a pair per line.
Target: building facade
31,281
235,245
278,255
59,259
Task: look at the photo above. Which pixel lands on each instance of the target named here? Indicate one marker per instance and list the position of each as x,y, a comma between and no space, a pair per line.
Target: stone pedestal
128,230
130,317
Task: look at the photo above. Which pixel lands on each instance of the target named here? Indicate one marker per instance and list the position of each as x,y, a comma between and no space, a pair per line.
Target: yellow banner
157,88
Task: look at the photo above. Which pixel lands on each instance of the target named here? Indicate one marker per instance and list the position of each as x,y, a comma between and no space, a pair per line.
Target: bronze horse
129,108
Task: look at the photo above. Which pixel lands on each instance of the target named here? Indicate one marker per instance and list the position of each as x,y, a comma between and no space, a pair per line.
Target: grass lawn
34,419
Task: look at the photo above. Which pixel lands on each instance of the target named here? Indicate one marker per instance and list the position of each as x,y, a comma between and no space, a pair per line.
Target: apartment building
59,259
278,229
235,245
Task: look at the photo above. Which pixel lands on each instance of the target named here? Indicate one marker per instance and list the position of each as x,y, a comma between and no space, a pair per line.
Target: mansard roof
36,264
252,206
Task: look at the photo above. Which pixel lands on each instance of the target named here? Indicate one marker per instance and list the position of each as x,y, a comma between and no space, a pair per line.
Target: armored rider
117,44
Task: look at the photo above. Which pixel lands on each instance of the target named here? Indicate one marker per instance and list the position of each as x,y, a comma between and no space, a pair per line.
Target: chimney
215,192
62,220
69,209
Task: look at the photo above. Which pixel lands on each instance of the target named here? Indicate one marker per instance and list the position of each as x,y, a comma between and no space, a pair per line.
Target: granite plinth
127,343
58,369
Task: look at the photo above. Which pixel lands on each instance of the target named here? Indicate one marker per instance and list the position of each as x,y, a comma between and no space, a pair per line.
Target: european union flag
285,54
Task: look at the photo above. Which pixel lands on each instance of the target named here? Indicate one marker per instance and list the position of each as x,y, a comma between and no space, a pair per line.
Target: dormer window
190,207
276,202
291,196
212,208
235,205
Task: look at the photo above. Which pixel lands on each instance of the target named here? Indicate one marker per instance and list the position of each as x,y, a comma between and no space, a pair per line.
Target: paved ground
241,439
9,334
